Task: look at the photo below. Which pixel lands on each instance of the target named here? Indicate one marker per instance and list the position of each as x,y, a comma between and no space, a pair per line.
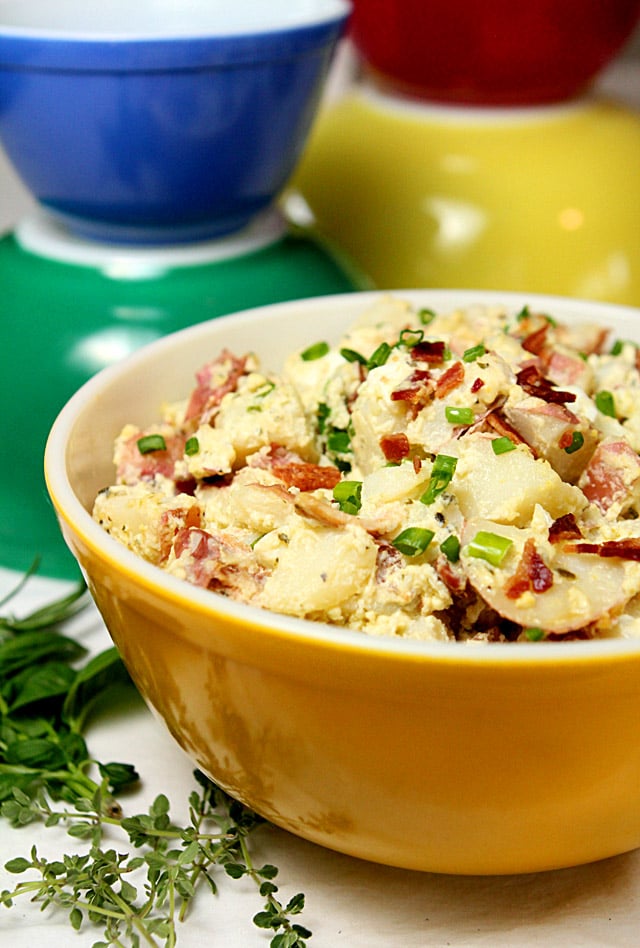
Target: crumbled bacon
536,340
532,574
566,439
294,472
450,379
214,380
431,352
564,528
627,548
477,385
387,559
497,421
416,391
395,447
534,383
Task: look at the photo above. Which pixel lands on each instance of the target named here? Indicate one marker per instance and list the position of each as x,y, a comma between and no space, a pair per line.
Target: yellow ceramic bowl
431,756
540,200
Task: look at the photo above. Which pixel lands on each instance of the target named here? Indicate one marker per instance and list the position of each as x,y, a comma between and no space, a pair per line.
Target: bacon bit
627,549
566,439
564,528
417,464
454,579
534,383
450,379
417,391
173,522
637,359
501,426
431,352
395,447
206,397
532,574
294,472
387,559
536,341
477,385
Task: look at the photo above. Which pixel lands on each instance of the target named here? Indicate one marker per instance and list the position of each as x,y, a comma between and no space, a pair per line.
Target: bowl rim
70,509
186,48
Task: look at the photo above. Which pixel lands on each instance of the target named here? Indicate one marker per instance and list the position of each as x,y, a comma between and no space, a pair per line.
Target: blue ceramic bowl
159,122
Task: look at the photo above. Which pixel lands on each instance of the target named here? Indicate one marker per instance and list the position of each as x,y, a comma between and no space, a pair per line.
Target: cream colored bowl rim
624,320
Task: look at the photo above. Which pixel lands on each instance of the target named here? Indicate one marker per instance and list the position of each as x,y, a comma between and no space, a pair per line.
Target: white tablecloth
348,903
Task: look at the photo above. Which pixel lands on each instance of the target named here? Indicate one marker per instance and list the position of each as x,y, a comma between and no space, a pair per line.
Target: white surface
348,903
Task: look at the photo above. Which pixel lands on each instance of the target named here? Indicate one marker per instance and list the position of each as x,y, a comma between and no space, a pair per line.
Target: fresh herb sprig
137,897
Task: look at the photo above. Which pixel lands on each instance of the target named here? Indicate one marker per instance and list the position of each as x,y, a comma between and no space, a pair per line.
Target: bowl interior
78,19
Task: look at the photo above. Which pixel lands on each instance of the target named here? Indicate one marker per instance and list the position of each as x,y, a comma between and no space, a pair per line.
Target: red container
491,52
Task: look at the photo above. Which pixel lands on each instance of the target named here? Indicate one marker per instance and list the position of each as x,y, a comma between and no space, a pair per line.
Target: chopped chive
617,347
338,441
489,546
470,355
352,356
316,351
348,494
577,440
605,404
534,634
192,446
451,548
426,316
456,415
502,445
413,540
152,442
410,337
379,356
441,474
523,314
322,414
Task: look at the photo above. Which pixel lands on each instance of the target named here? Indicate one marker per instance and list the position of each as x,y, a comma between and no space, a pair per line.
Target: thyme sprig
138,896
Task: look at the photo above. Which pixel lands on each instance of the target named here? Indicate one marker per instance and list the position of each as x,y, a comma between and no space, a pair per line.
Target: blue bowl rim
41,51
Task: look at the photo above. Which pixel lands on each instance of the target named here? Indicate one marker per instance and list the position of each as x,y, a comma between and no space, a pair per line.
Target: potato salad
471,475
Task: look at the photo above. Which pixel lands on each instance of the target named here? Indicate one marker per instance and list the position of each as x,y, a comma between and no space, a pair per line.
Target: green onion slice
316,351
441,474
192,446
413,540
577,440
605,404
426,316
152,442
348,494
379,356
470,355
502,445
352,356
489,546
338,441
410,337
456,415
451,548
534,634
